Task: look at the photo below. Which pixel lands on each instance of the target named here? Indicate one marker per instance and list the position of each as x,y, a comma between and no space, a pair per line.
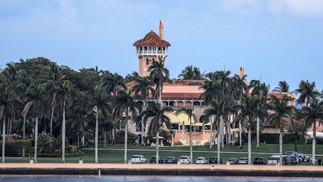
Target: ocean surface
149,179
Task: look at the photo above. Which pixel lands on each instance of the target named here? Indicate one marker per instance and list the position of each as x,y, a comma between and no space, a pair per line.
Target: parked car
170,160
301,156
294,160
201,160
287,160
273,160
293,154
259,161
153,160
138,159
233,160
214,160
184,160
243,160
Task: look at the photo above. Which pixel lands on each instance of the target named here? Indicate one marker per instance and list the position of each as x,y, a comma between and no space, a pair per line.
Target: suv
201,160
184,160
138,159
273,160
214,160
153,160
259,161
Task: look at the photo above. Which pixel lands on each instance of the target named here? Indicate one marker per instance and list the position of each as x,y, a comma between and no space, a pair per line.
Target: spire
161,29
241,73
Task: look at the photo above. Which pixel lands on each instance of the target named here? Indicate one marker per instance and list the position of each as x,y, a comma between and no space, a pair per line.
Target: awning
180,118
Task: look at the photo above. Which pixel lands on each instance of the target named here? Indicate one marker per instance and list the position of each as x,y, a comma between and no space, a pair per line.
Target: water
150,178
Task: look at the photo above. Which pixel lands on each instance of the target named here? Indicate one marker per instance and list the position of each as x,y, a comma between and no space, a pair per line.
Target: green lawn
115,153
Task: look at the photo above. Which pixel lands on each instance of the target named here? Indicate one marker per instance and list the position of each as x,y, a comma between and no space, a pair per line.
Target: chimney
241,73
161,29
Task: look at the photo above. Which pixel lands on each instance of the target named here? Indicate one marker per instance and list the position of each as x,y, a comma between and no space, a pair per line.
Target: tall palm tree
296,127
260,89
281,110
157,116
144,88
189,113
217,110
313,114
64,90
36,96
307,91
113,83
99,103
158,74
191,73
282,87
249,110
126,104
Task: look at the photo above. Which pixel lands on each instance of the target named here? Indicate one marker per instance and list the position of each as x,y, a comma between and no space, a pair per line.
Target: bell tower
150,48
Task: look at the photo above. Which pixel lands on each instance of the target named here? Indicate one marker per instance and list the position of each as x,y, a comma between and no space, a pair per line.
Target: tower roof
151,39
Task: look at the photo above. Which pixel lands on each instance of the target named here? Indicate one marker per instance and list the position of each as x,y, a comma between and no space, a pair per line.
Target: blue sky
273,40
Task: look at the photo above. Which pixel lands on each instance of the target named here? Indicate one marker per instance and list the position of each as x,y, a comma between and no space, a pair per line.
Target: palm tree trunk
314,143
36,139
126,138
222,131
3,139
113,137
191,141
211,135
281,146
157,147
219,144
142,127
78,137
249,144
51,121
24,135
240,134
96,135
257,132
63,134
104,133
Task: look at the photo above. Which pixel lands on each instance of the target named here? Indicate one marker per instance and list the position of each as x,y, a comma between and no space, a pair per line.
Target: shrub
14,148
207,143
178,143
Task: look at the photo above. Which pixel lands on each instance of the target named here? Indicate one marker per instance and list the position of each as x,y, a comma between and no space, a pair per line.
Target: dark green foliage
14,148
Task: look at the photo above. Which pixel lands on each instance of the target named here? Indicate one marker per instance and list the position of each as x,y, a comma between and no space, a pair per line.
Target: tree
158,74
191,73
282,87
64,90
313,114
307,91
189,113
99,103
144,87
124,105
217,110
296,127
281,110
113,83
156,114
36,97
249,110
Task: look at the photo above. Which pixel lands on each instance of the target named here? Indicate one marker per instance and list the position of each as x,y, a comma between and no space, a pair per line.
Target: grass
115,153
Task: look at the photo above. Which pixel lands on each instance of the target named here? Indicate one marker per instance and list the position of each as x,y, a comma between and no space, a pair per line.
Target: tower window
147,61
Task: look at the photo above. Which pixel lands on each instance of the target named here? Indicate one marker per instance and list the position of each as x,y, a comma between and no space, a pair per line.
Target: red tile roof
151,39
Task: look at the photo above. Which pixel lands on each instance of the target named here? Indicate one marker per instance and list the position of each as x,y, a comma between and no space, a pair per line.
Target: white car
184,160
138,159
201,160
273,160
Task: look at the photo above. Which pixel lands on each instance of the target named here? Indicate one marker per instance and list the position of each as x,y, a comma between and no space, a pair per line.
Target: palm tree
191,73
282,87
307,91
113,83
158,74
144,88
99,103
217,110
249,110
260,89
126,104
64,90
189,113
280,111
296,127
156,114
313,114
36,97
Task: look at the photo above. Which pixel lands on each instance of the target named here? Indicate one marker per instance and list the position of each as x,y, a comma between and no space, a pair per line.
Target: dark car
243,160
293,160
233,160
214,160
259,161
170,160
153,160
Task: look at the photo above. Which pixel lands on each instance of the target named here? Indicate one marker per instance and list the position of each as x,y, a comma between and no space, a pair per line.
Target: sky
273,40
